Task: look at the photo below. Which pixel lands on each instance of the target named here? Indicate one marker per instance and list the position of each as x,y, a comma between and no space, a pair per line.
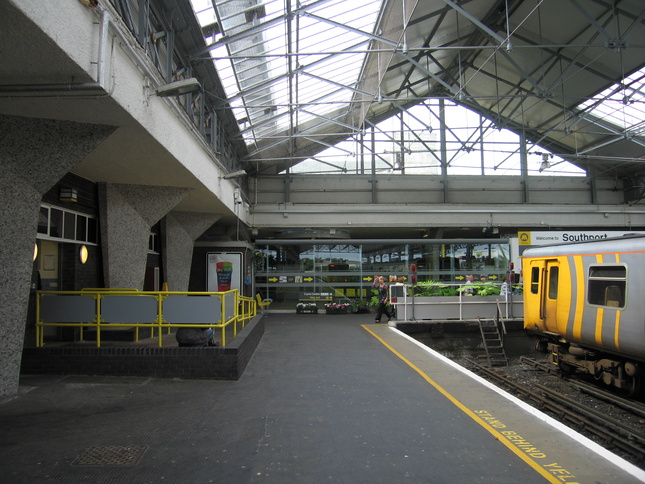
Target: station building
311,144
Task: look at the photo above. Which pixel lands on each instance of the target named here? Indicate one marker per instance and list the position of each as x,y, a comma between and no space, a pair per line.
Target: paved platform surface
324,399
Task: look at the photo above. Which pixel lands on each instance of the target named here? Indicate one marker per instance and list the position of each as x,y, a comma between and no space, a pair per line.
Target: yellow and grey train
585,302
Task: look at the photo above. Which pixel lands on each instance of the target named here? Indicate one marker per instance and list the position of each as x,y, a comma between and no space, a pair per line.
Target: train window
607,272
553,283
535,280
606,286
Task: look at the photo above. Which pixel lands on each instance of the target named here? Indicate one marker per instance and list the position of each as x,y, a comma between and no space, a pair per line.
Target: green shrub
482,289
432,288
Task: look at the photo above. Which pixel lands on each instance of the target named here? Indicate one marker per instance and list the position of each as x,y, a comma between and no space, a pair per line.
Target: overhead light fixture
179,88
235,174
545,161
237,196
67,195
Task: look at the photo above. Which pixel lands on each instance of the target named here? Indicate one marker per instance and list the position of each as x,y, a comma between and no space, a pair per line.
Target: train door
549,294
48,265
541,298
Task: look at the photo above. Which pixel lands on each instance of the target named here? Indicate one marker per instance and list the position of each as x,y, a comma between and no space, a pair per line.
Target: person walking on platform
383,297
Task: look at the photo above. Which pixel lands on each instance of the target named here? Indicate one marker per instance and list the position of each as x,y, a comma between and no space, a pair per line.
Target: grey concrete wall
405,201
127,213
34,155
20,206
182,229
430,189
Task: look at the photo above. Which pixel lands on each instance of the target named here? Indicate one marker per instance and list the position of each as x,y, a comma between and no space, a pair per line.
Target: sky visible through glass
280,71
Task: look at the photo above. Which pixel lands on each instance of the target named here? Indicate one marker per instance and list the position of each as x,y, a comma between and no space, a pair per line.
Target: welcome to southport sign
561,237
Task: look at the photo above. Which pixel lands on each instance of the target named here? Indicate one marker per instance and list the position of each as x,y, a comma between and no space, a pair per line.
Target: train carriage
585,302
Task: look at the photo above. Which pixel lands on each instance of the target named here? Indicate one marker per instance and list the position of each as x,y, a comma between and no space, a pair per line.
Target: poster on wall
224,271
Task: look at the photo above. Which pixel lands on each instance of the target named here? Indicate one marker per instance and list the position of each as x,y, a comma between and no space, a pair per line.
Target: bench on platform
262,303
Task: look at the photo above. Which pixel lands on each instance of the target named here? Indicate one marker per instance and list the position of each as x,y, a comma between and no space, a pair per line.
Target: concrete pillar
34,155
127,212
182,229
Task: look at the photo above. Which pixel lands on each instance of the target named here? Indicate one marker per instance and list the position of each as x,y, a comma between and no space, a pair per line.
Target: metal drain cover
110,455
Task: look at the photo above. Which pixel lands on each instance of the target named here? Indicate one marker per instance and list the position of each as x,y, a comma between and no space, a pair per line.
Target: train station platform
325,398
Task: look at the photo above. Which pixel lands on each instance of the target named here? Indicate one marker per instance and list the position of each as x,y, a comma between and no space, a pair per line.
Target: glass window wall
289,273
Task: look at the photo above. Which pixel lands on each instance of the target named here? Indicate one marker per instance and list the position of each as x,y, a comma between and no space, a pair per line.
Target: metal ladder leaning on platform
493,339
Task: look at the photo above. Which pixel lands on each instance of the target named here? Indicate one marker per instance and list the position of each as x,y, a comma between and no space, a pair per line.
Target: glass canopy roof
283,67
622,104
289,67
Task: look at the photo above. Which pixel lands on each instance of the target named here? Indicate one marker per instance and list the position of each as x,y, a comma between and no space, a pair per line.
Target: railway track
612,433
632,406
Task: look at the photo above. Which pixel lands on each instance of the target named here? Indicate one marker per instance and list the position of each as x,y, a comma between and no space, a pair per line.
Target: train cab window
553,282
535,280
606,286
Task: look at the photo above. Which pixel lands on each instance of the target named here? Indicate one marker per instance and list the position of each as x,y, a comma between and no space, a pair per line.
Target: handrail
157,310
500,316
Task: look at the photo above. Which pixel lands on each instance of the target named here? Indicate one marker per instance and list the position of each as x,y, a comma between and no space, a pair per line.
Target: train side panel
630,321
589,294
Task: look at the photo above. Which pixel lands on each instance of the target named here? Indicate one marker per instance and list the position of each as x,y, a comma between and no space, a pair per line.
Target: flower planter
306,311
454,307
335,311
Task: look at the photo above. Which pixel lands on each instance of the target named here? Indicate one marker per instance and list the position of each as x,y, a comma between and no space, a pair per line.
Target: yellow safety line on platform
470,413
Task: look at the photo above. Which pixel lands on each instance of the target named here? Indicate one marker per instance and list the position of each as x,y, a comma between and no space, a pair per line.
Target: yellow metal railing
113,308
